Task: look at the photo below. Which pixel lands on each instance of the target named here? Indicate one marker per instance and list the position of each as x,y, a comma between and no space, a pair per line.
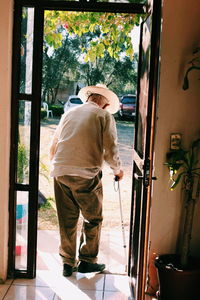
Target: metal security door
143,150
25,132
25,112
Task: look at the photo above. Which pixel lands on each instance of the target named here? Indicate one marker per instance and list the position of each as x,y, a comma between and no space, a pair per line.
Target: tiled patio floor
111,251
49,283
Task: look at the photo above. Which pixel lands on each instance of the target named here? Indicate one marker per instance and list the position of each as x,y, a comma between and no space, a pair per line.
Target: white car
72,101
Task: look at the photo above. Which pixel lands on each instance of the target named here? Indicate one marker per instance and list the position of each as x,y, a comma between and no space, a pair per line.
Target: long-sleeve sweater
85,137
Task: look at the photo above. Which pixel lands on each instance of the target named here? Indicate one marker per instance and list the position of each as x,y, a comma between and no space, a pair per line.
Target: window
129,100
76,101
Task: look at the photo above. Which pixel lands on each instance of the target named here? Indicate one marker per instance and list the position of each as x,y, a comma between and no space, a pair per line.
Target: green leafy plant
47,204
43,113
194,65
113,31
57,110
22,163
184,167
44,170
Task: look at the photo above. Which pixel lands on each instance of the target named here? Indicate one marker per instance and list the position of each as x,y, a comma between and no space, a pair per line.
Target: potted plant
179,274
194,65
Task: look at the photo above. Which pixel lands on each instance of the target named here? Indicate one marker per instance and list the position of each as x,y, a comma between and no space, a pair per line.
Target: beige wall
178,111
5,82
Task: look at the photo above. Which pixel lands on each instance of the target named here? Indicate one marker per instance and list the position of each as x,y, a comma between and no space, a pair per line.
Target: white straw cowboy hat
101,89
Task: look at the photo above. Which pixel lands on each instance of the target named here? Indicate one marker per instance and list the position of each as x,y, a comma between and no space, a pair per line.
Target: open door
25,114
25,132
143,149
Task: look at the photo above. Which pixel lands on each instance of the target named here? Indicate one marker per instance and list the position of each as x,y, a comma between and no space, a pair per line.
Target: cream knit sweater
85,137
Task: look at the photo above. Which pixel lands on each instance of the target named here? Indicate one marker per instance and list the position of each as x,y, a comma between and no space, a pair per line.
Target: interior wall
5,99
178,111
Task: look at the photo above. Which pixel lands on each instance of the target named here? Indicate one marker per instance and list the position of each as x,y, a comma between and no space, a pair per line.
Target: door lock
142,177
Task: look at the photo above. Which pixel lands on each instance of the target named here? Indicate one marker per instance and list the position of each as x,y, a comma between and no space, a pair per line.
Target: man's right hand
120,175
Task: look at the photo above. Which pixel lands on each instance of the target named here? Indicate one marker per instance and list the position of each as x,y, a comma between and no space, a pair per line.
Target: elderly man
85,138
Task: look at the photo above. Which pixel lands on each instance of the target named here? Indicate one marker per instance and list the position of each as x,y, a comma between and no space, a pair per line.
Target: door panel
26,57
143,150
140,143
21,168
21,245
25,136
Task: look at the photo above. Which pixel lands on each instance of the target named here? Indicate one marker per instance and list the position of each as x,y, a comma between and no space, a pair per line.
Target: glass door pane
26,63
21,230
23,153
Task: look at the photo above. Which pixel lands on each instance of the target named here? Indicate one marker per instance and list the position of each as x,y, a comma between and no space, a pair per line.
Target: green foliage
44,170
22,163
194,65
43,113
93,48
105,70
59,67
120,76
183,164
111,32
47,204
184,167
57,110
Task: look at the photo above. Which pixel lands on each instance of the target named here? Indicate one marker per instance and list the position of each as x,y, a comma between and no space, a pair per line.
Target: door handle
142,177
138,177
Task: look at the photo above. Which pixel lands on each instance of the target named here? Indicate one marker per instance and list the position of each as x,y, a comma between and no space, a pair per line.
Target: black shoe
86,267
67,270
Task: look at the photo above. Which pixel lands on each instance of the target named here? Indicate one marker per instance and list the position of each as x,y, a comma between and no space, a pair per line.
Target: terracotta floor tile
29,293
88,281
116,296
3,290
31,282
80,295
117,283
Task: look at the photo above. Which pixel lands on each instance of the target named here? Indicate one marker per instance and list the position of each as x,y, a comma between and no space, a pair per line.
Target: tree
92,47
109,71
59,68
111,31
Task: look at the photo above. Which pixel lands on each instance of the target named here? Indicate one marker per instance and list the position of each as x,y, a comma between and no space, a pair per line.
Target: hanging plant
194,65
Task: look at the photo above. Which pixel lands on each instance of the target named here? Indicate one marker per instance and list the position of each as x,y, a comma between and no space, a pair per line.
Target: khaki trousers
73,195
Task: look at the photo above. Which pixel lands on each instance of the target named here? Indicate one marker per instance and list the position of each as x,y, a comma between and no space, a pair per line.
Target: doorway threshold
111,251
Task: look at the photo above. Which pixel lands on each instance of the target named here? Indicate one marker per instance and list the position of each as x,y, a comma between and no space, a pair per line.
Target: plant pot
176,283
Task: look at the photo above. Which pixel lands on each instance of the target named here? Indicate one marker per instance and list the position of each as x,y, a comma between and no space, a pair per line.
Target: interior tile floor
49,283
